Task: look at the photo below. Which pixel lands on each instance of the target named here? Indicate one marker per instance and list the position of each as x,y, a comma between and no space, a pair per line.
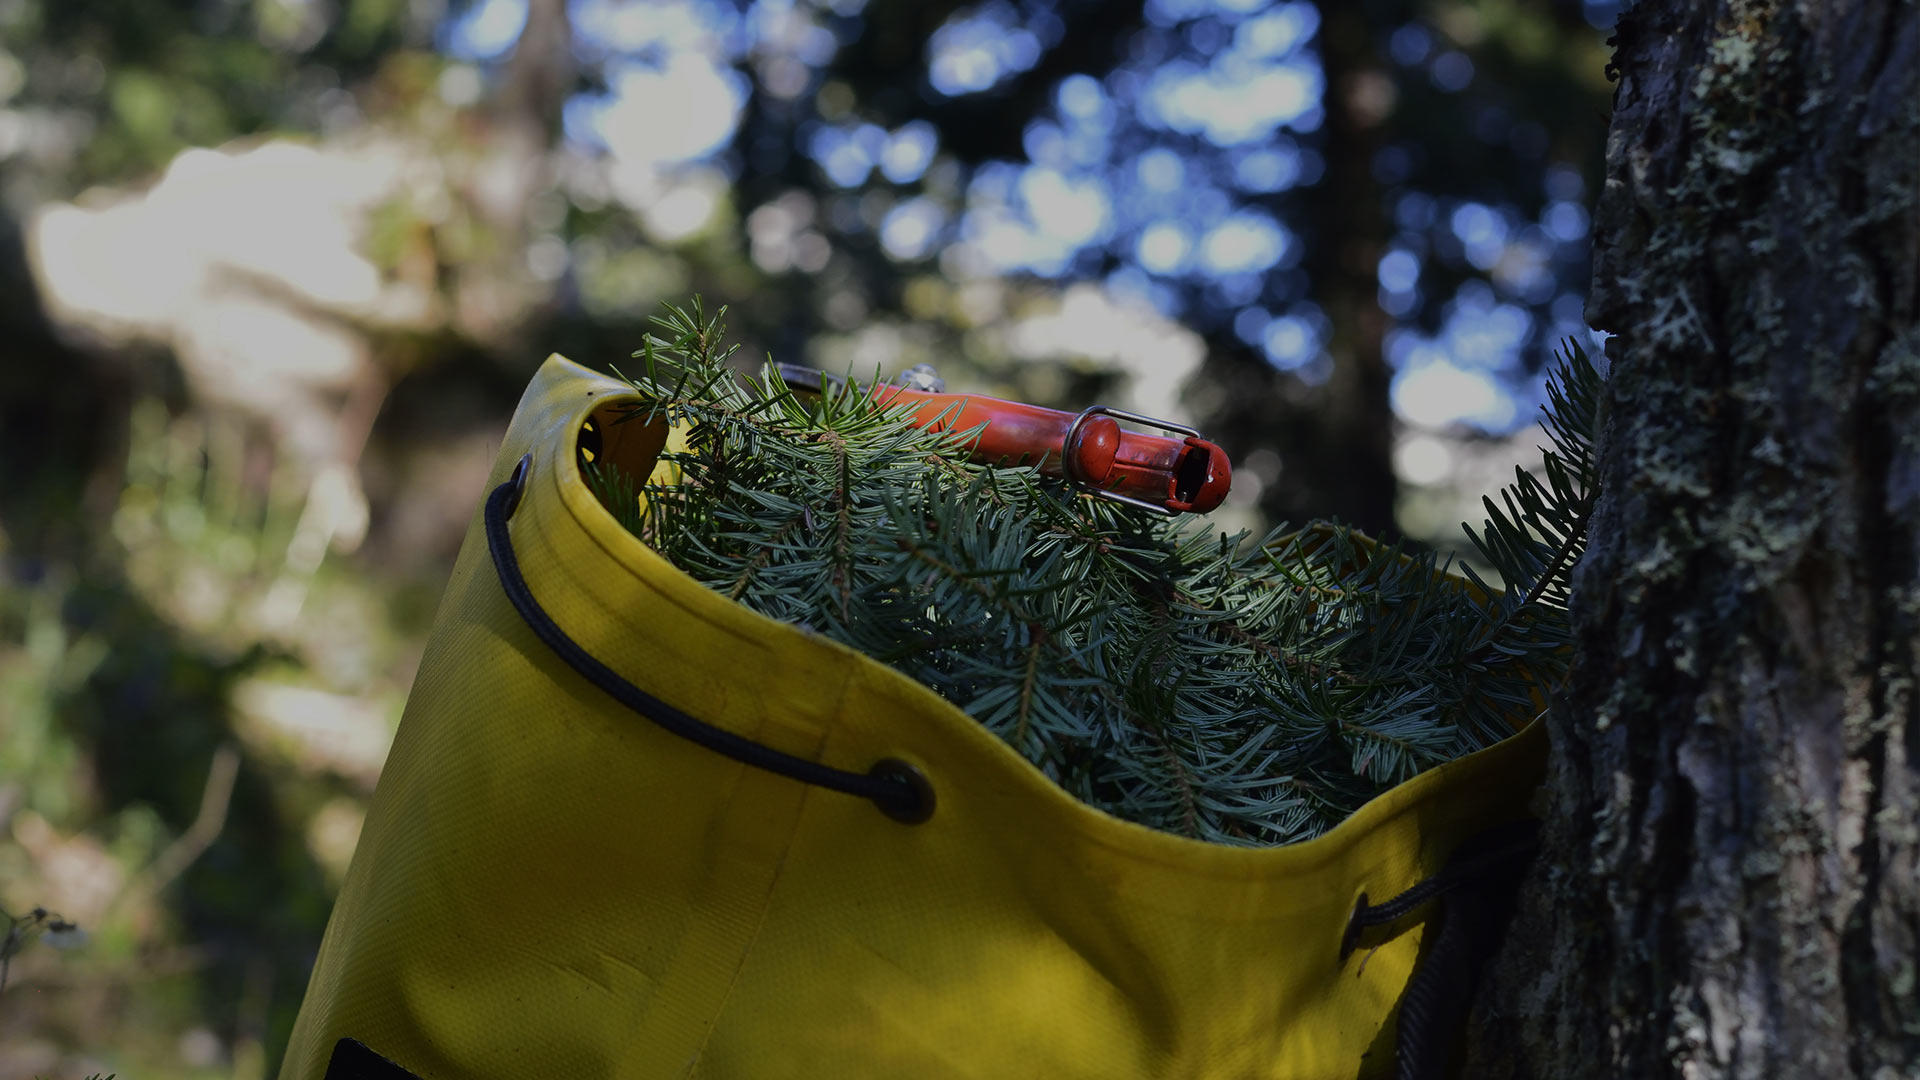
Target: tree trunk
1344,467
1730,882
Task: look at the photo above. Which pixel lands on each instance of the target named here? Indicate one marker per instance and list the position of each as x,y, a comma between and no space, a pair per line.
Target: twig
1020,727
206,828
761,556
843,524
18,927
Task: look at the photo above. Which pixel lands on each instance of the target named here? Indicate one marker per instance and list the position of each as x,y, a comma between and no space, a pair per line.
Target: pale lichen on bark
1730,885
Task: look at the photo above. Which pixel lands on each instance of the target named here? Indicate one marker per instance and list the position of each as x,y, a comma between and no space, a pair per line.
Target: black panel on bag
353,1061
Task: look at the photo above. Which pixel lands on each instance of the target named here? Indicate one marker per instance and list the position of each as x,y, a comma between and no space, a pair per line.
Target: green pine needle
1246,693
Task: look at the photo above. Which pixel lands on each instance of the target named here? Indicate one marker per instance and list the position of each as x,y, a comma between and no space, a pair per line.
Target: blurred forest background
274,272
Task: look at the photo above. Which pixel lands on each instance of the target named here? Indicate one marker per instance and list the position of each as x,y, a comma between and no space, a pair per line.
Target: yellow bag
553,884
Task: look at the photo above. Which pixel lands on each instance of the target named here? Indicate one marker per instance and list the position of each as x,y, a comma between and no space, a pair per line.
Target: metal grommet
518,482
911,800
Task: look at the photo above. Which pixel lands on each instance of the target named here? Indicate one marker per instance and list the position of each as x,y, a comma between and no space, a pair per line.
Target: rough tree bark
1730,882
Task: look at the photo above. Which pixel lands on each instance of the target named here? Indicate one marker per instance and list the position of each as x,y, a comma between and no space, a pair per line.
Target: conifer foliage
1199,683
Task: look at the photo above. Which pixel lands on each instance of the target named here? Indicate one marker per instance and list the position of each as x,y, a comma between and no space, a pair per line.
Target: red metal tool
1165,474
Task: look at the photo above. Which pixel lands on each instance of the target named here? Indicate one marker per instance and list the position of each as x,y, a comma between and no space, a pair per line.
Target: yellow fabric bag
550,884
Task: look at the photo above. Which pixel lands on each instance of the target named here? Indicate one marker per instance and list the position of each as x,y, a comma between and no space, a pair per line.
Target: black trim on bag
353,1061
898,789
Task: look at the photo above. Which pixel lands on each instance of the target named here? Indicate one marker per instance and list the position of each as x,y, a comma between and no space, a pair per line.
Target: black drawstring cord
1477,886
897,788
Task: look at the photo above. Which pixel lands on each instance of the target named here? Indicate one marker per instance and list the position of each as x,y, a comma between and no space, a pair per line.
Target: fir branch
1022,721
1535,542
1183,781
1203,684
843,520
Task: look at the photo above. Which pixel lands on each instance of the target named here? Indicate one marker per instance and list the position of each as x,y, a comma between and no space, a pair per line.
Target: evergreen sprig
1250,693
